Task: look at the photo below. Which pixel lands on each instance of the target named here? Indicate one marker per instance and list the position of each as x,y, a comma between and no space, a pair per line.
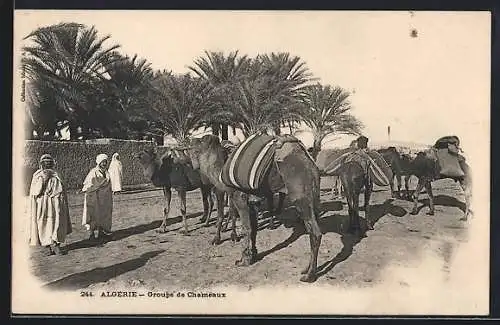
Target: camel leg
281,201
407,187
468,195
248,217
398,180
167,194
353,206
312,227
334,188
182,198
368,193
219,195
208,204
232,214
420,186
270,208
428,189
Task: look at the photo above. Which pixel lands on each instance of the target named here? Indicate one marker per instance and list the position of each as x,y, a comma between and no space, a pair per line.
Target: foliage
70,61
181,104
326,111
75,78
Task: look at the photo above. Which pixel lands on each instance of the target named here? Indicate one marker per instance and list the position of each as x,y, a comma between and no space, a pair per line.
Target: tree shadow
101,274
127,232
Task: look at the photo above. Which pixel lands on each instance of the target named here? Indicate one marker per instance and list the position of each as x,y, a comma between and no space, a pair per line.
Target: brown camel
425,167
173,170
292,171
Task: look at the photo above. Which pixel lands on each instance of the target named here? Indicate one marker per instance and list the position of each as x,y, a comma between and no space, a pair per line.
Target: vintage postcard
251,162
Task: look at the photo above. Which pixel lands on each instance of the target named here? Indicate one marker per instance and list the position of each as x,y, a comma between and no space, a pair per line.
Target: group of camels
292,173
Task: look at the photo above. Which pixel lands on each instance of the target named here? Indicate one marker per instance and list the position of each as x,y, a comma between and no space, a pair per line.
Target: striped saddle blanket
371,161
247,166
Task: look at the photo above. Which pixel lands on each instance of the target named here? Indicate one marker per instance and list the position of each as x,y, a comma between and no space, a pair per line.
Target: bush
75,159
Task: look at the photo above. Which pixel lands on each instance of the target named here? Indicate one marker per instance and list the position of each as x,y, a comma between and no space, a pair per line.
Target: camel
426,168
173,170
230,148
400,166
354,177
358,169
292,171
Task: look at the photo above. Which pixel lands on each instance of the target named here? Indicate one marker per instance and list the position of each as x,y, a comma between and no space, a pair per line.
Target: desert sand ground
137,256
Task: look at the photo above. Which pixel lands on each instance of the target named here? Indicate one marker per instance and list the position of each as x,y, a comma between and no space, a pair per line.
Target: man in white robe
116,173
49,222
98,201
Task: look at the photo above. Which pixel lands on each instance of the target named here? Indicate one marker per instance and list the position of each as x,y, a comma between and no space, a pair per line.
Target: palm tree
326,111
130,84
70,61
221,72
181,104
287,75
256,105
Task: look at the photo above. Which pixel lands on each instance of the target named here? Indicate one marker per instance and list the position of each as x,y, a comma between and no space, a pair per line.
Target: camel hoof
414,212
216,241
308,278
242,262
234,237
305,271
161,230
430,213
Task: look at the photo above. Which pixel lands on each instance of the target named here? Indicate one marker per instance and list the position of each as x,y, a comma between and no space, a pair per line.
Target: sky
424,87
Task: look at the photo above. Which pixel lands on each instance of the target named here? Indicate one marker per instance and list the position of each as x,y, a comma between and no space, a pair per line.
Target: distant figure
49,211
98,201
362,143
116,173
354,144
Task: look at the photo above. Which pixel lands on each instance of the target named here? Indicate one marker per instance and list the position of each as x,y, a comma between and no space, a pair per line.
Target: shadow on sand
127,232
101,274
442,200
337,223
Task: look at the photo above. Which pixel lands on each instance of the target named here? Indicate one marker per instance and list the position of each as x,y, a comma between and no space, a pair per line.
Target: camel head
148,160
199,147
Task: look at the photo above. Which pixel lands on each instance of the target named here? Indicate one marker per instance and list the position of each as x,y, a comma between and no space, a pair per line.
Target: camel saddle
446,152
372,163
249,163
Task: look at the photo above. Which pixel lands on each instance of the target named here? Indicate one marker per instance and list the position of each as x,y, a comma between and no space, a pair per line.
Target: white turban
100,158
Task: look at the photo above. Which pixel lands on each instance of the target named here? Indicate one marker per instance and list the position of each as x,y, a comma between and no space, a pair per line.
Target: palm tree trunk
277,128
225,131
215,128
316,147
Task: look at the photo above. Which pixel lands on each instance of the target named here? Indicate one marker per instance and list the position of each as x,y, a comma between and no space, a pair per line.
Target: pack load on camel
447,151
370,160
248,165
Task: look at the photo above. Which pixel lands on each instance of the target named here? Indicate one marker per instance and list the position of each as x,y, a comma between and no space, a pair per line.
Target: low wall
75,159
